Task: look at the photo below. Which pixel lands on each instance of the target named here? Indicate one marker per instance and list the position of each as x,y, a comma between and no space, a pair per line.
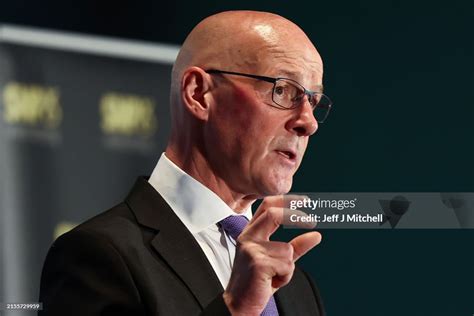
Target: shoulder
88,260
113,223
116,230
101,234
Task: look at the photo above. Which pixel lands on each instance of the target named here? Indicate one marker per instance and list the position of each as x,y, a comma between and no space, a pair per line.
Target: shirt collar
195,205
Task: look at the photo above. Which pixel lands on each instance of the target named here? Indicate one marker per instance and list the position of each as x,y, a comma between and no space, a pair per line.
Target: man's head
227,127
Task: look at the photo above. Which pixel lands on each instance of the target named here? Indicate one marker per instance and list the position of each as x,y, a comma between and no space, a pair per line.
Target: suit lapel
290,301
174,243
283,302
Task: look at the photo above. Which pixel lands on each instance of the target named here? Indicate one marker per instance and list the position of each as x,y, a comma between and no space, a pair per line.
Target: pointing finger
292,218
277,201
264,225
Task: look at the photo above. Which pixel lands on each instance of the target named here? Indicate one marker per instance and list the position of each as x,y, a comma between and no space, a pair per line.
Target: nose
302,121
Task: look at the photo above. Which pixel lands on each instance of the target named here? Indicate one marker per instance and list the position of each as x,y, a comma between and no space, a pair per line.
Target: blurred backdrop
84,110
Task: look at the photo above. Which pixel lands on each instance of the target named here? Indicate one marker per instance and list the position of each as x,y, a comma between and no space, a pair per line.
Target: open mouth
287,154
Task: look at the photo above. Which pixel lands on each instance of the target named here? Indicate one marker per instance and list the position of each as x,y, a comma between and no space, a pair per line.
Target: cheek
239,113
245,124
242,107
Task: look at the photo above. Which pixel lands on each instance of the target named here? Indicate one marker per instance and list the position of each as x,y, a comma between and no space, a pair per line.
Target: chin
278,187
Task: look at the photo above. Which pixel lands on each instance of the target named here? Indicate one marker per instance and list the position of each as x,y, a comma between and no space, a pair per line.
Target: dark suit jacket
139,259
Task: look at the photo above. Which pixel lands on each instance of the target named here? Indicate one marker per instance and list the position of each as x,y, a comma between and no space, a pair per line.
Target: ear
195,88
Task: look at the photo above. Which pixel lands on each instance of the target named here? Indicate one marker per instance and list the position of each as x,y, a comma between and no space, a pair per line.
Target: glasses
288,94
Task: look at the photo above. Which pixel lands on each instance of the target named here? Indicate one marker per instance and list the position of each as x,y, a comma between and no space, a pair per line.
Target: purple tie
233,226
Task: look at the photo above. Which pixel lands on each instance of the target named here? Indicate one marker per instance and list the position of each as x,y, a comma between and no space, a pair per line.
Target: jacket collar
174,243
179,249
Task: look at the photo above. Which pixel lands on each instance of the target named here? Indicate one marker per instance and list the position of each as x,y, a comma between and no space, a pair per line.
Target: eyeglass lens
289,95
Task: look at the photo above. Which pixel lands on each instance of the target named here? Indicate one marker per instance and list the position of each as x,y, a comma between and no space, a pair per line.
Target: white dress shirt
200,210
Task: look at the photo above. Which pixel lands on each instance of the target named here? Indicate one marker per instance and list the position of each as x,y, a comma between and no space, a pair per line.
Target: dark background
401,76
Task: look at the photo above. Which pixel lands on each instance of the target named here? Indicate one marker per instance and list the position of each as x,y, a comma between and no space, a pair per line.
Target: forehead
306,69
291,56
276,48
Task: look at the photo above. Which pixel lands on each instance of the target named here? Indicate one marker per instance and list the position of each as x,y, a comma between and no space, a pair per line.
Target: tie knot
234,225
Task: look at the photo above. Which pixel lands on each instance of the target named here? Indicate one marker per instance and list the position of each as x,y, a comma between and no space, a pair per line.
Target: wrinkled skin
226,134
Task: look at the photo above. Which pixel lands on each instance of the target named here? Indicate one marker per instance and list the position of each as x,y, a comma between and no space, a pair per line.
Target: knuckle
291,265
265,203
289,250
268,201
285,249
243,246
257,262
274,215
287,265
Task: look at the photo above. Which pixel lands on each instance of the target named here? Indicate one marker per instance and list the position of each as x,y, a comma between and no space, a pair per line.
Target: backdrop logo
32,104
128,115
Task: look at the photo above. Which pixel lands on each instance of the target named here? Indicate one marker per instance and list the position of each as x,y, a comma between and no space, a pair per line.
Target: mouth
288,154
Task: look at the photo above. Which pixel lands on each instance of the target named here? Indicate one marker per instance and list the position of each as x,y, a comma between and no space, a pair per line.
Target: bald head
227,130
241,41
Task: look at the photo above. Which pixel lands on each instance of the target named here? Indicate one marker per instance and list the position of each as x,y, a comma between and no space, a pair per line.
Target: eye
298,97
280,90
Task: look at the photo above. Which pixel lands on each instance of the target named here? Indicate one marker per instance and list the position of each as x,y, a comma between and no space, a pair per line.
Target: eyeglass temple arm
215,71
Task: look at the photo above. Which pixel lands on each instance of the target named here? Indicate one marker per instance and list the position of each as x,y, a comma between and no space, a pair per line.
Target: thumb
304,243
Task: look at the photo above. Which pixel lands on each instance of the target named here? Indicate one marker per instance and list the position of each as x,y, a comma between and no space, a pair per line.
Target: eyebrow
288,73
291,75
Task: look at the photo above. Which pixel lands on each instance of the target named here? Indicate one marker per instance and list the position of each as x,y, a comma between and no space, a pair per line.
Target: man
239,132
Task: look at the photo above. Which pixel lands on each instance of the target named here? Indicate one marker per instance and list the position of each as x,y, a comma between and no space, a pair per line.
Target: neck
195,164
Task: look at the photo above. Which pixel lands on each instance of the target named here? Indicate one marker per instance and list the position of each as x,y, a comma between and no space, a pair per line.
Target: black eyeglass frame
307,92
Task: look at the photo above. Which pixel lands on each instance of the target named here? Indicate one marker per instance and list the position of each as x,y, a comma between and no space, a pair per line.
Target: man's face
253,146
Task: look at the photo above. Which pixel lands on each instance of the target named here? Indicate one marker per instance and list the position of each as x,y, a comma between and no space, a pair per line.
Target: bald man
246,95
